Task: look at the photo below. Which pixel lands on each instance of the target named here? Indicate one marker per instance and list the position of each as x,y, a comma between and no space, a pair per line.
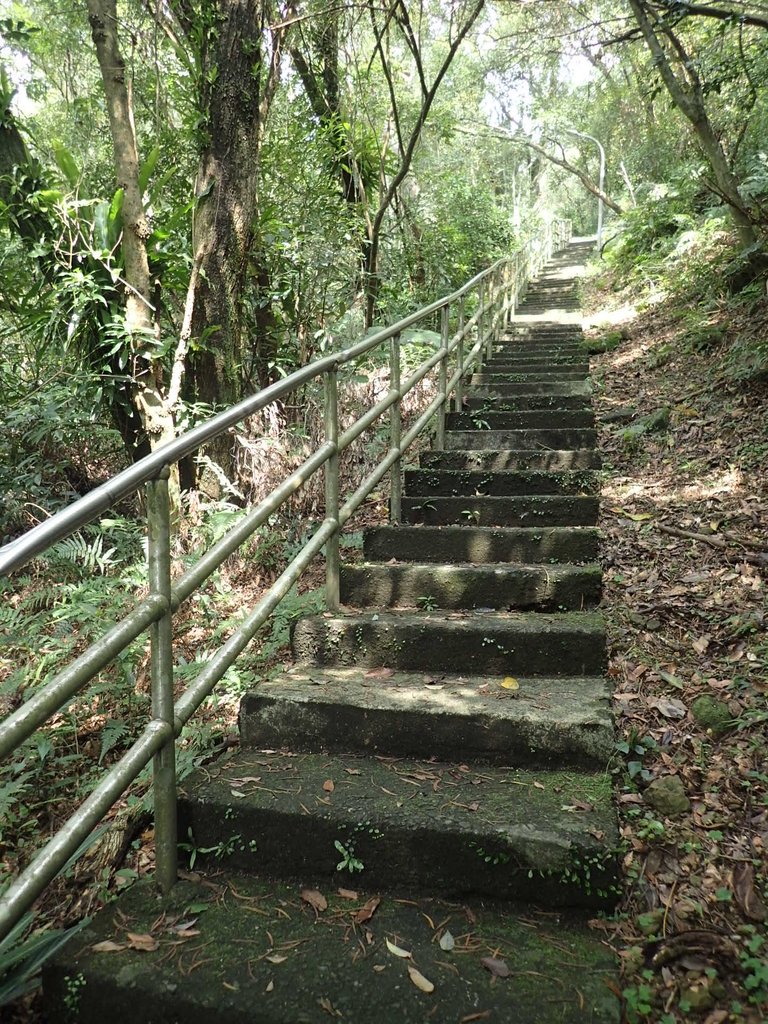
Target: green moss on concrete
257,954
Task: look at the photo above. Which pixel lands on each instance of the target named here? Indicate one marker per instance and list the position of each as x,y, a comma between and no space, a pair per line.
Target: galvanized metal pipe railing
497,291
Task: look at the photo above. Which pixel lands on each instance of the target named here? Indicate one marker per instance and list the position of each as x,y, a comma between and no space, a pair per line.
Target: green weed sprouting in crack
349,862
494,857
427,603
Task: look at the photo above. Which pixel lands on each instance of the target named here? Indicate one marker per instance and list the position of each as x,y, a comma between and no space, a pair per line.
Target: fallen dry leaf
366,912
108,946
397,950
379,673
347,894
510,683
750,904
447,941
419,980
498,968
481,1015
329,786
276,959
315,899
145,943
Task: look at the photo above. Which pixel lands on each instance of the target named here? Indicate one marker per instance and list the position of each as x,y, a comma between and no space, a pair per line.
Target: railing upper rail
18,552
499,289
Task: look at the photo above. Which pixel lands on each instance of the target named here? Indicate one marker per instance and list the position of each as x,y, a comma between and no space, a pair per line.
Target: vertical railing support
442,384
395,432
161,673
490,313
481,325
332,488
459,392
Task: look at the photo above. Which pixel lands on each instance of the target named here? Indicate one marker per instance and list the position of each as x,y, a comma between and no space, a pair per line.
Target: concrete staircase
431,772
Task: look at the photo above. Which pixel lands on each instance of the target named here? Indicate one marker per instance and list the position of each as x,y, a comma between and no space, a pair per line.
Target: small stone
651,922
696,996
621,414
667,796
712,714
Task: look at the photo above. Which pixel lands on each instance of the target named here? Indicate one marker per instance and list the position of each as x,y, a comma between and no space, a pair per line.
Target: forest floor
684,516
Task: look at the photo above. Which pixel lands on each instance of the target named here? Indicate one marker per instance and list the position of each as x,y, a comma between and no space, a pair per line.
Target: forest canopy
198,197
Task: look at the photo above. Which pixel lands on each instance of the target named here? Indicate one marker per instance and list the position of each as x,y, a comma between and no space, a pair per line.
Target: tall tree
140,322
680,76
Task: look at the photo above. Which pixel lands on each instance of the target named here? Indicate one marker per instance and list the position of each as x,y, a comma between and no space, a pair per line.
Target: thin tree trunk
687,95
157,417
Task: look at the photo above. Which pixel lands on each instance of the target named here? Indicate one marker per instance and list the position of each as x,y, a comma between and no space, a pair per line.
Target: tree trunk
687,95
371,276
239,74
157,417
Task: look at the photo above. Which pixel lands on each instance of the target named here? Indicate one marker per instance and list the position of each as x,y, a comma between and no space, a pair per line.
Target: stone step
468,482
535,356
539,369
411,825
259,954
491,401
535,387
480,544
520,419
541,330
501,587
575,437
532,342
545,722
521,510
513,459
512,643
552,375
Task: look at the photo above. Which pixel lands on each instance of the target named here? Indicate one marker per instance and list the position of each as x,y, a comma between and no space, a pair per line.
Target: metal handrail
499,289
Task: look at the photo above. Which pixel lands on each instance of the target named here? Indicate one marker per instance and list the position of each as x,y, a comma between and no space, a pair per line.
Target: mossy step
505,587
578,388
534,343
455,482
513,377
520,419
537,364
511,643
545,722
480,544
543,330
416,825
257,953
520,510
492,401
575,437
555,357
513,459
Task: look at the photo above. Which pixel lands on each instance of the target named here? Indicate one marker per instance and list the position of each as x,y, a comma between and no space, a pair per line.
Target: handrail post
480,324
395,431
161,671
442,385
458,403
332,596
491,313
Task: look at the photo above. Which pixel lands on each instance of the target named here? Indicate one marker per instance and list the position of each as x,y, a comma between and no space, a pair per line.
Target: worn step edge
535,438
259,954
417,825
520,419
545,722
479,544
511,643
490,401
510,459
425,585
454,482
